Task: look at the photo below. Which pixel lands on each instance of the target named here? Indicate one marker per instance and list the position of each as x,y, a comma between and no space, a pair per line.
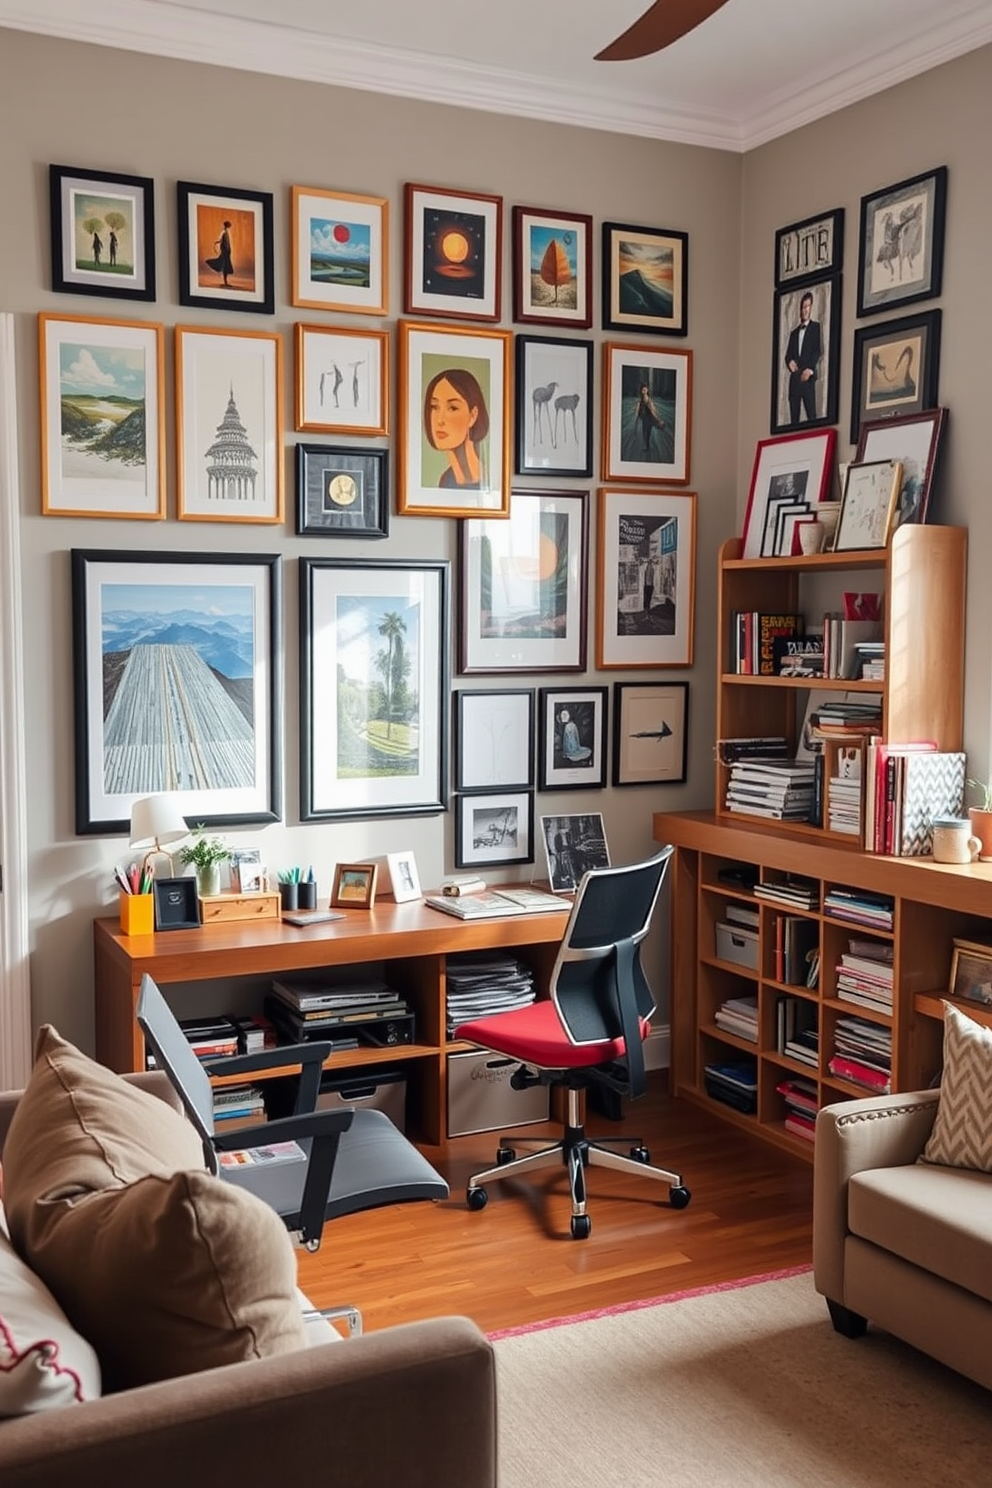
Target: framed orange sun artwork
453,247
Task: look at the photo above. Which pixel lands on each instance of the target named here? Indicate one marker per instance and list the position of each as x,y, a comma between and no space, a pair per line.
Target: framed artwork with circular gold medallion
341,492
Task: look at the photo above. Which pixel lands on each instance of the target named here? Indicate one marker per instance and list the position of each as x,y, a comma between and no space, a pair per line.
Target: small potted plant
981,817
206,855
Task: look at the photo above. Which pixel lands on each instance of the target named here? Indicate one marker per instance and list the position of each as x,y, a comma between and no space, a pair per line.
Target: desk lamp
156,820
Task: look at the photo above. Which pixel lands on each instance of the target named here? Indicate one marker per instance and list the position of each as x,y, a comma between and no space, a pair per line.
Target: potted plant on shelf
206,855
981,817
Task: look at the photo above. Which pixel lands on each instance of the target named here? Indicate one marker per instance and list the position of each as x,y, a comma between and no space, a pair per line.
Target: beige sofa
412,1405
903,1244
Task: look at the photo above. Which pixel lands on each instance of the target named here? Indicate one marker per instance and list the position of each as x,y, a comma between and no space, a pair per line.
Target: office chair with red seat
590,1033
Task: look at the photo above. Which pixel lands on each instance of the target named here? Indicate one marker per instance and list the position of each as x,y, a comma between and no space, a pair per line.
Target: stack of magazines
482,983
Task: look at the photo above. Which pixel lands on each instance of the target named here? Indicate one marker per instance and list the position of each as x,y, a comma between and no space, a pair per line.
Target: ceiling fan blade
661,24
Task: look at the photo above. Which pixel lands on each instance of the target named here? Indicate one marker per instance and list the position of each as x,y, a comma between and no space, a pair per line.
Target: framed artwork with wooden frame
647,414
454,421
810,249
554,406
229,427
793,470
102,417
871,491
915,442
494,739
453,253
645,280
572,749
552,268
342,380
495,829
354,885
971,972
341,491
896,368
650,738
102,233
901,249
646,551
805,355
225,248
340,248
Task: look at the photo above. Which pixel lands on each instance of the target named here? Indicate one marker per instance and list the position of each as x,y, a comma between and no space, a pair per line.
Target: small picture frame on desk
354,885
177,904
403,876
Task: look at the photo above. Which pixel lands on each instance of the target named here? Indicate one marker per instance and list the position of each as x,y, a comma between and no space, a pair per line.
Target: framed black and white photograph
453,244
373,687
102,233
650,738
341,491
404,879
552,268
522,586
647,414
494,830
645,280
572,749
794,471
494,739
915,442
150,628
573,845
646,578
225,248
247,870
342,380
554,406
901,249
805,355
896,368
177,903
809,249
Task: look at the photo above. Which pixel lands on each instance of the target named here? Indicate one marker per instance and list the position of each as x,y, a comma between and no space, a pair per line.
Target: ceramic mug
953,841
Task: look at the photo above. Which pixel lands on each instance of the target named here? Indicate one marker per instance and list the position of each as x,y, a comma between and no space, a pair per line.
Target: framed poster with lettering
809,249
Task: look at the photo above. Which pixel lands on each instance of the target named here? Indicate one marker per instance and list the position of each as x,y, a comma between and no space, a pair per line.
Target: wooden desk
413,938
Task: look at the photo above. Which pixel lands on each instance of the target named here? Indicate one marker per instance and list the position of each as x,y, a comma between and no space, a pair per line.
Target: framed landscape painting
225,248
340,251
102,233
645,280
552,268
645,582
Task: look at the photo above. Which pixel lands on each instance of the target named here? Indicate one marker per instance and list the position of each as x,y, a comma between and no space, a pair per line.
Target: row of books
863,1054
800,1100
764,644
795,941
218,1035
906,787
797,1030
860,907
238,1105
792,889
865,975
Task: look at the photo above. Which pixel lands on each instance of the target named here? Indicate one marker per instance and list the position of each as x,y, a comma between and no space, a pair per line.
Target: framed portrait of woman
454,421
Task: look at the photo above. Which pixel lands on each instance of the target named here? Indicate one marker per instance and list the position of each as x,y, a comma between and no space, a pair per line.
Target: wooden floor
515,1262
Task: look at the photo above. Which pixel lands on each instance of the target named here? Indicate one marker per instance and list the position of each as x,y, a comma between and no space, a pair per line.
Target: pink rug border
641,1303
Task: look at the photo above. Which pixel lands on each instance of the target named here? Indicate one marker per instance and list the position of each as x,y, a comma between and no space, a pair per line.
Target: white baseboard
656,1050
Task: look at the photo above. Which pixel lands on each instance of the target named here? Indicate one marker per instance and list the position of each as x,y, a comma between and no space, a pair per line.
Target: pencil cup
137,914
306,896
289,894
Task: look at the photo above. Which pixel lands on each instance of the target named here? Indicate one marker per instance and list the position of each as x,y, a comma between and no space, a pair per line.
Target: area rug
742,1386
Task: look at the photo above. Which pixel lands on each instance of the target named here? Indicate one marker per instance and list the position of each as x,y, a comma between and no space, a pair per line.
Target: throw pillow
79,1128
962,1130
44,1362
172,1274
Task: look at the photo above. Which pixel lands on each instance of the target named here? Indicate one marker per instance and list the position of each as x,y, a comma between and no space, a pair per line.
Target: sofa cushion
43,1360
172,1274
962,1131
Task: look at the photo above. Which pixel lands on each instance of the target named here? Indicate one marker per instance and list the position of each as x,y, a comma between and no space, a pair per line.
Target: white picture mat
441,304
617,467
365,212
220,291
590,772
403,876
555,437
211,367
527,223
485,820
320,351
622,650
495,737
86,187
775,460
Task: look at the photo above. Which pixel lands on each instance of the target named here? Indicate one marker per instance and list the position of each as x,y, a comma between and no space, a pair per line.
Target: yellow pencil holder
137,914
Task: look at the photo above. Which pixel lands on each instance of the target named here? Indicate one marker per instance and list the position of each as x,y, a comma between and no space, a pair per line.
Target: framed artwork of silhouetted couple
103,233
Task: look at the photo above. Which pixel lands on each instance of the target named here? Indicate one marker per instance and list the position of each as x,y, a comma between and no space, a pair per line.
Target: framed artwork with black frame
221,751
650,732
809,249
645,280
177,903
494,829
554,406
453,253
373,687
805,355
645,578
901,249
896,368
225,248
494,739
573,845
915,442
102,233
341,491
572,749
552,268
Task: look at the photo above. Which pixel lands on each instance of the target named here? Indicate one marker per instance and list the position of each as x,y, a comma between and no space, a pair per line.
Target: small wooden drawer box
218,908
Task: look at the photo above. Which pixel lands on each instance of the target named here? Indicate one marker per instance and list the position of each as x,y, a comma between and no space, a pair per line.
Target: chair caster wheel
476,1198
505,1155
640,1154
679,1197
312,1246
581,1227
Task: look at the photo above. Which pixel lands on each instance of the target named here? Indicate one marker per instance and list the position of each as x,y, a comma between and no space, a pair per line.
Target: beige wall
91,107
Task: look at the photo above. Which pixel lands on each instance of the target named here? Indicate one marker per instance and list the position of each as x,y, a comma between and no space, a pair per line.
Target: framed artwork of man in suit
805,363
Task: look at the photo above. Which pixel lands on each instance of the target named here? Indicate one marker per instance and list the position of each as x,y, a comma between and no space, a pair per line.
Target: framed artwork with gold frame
340,251
342,380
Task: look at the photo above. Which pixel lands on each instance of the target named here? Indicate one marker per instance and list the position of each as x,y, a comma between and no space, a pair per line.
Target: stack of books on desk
482,983
302,1011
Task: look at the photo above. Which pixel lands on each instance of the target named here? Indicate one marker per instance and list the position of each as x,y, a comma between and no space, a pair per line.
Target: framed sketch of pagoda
229,426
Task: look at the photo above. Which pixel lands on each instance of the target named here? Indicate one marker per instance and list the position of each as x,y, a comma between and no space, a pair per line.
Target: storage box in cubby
737,943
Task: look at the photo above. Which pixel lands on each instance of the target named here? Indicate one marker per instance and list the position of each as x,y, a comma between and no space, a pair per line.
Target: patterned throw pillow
44,1362
962,1131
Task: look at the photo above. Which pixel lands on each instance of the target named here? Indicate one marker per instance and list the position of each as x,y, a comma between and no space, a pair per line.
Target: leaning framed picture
341,491
340,251
901,249
102,233
229,426
914,441
647,414
453,253
794,471
342,380
354,885
553,389
896,368
494,830
572,748
404,880
805,355
150,628
177,903
645,280
552,268
871,491
454,421
573,845
225,248
102,417
373,687
522,586
971,972
650,739
494,739
809,249
645,578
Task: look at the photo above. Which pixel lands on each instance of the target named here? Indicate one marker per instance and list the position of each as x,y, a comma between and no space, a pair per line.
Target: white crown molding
168,28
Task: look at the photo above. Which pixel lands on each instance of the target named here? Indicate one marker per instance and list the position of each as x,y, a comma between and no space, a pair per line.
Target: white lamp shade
156,820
